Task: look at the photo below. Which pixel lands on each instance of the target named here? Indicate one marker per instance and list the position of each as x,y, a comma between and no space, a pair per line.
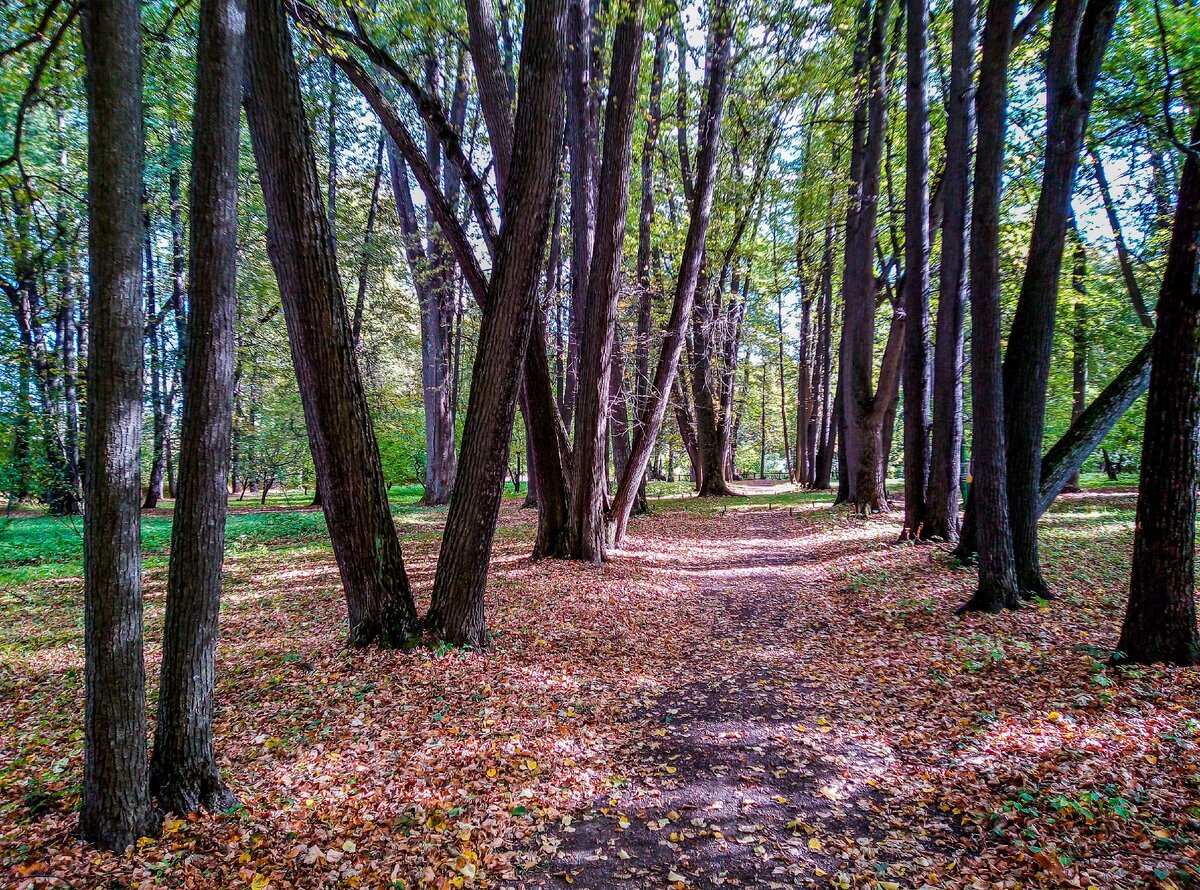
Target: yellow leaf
814,844
1054,716
260,882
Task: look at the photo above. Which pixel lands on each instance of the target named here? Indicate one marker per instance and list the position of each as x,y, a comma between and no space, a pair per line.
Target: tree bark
116,808
1160,622
456,611
183,769
340,430
1079,345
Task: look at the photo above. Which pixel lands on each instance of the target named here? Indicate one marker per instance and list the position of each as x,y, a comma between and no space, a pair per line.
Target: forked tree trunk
1160,622
717,67
1078,37
340,430
456,611
183,769
115,808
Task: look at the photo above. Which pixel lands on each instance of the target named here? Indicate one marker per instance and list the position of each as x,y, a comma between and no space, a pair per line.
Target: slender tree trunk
116,808
183,769
456,611
917,378
989,493
942,503
1078,37
301,249
783,414
1079,346
158,436
599,318
717,67
1160,622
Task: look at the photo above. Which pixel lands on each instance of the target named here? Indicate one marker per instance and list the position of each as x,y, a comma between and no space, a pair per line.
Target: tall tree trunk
301,249
456,611
1160,622
158,436
989,492
863,408
581,146
717,67
823,455
1078,37
116,809
183,769
599,317
1079,345
917,378
942,502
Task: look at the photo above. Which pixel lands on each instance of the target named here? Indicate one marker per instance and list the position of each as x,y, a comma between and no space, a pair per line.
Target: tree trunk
456,610
942,503
989,492
1078,37
1160,622
917,379
1079,346
116,809
158,436
301,249
717,67
599,314
183,769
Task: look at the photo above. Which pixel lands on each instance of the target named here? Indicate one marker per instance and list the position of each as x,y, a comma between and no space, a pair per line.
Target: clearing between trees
758,691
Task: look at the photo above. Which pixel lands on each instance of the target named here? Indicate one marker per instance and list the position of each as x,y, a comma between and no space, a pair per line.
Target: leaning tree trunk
942,502
115,809
1078,37
717,67
183,770
456,611
1160,623
300,245
917,380
997,566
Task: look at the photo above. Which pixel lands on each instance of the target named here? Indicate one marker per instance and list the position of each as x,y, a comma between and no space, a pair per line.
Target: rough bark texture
942,502
1160,623
997,567
456,611
717,67
340,431
183,769
115,809
599,316
917,379
1078,36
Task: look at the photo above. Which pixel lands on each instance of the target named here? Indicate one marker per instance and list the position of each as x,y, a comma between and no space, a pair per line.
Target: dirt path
737,779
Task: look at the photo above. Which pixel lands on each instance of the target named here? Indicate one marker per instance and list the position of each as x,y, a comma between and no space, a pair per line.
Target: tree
716,76
1078,36
300,244
1160,622
917,379
183,769
942,499
997,566
456,611
598,316
116,808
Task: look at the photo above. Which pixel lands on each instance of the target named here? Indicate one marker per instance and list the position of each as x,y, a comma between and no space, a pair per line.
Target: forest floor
757,692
